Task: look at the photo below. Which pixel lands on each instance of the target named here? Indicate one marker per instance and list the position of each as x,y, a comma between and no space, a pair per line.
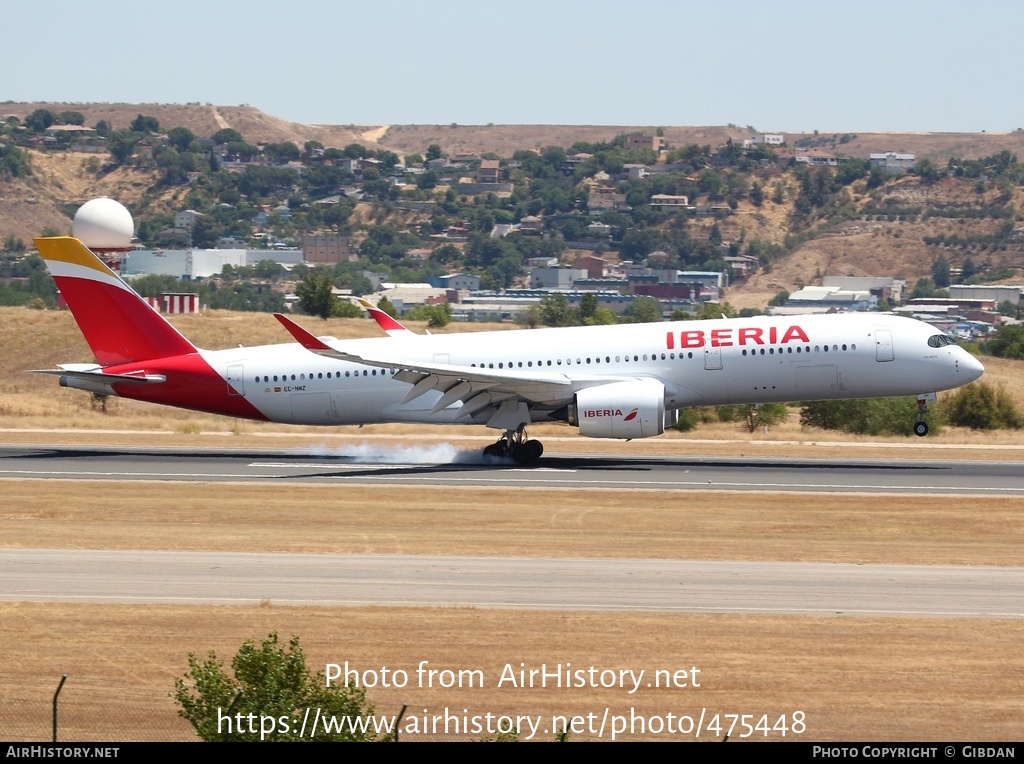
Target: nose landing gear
921,426
515,445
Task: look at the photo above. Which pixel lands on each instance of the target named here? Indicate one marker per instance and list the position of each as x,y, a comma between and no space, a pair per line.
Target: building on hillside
669,201
768,139
327,248
555,278
892,163
997,294
822,299
816,158
882,287
655,143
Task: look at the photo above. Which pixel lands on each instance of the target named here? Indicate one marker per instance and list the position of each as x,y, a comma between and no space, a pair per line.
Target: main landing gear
921,426
515,445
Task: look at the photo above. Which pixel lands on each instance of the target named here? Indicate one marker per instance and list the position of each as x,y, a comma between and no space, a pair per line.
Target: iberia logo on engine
591,413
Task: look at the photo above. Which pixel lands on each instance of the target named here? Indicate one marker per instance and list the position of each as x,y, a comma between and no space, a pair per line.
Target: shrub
981,406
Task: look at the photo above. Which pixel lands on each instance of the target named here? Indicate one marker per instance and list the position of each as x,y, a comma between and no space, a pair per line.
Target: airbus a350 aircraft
626,381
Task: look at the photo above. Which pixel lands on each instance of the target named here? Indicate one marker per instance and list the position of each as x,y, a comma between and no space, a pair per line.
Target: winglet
301,336
389,325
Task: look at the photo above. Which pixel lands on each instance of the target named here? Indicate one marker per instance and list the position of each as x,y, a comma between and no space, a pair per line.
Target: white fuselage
700,363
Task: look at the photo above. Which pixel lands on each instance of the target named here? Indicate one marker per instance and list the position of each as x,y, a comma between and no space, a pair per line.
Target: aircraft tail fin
118,324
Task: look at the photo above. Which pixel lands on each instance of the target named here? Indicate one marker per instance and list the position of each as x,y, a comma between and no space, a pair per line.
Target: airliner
625,381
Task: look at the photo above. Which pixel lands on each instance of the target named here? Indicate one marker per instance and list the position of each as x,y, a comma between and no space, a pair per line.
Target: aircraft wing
475,386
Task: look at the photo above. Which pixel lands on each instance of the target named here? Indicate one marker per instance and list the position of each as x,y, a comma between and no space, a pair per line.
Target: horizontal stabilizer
110,379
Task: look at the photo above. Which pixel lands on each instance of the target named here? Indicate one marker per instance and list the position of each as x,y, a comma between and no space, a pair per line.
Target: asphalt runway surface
442,465
82,575
227,578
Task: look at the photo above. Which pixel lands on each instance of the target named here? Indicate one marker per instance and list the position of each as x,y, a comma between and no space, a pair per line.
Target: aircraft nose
970,367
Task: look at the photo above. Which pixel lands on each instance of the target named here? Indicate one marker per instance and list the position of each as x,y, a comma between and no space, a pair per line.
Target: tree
940,272
144,124
121,145
180,137
1007,343
228,135
268,693
643,310
555,310
436,316
316,297
40,119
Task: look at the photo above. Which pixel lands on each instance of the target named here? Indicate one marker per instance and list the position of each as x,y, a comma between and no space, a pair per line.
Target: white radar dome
103,224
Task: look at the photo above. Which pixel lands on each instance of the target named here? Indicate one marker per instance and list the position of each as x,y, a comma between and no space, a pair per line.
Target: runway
75,575
447,466
677,586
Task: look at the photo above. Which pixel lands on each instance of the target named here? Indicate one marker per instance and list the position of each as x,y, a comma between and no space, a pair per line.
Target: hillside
877,232
504,140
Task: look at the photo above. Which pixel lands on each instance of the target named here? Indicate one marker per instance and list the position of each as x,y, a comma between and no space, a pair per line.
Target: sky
910,65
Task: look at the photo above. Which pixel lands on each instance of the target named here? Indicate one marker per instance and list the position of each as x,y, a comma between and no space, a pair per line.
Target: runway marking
497,605
89,473
711,484
336,465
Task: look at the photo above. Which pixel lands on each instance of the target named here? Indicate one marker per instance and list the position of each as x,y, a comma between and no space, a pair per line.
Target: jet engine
625,410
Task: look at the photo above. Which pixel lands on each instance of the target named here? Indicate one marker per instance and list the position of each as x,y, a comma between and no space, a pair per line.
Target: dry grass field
854,678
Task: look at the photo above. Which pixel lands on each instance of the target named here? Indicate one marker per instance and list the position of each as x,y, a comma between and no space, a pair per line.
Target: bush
981,406
267,695
875,416
688,420
752,417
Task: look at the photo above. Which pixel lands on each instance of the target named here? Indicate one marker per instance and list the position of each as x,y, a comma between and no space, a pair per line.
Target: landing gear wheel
496,450
920,429
514,444
528,451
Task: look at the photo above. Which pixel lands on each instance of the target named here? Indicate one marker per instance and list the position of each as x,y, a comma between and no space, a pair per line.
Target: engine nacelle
626,410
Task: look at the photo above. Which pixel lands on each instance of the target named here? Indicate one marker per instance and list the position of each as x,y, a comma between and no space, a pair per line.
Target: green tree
40,119
228,135
436,316
316,296
180,137
940,272
271,682
1008,343
643,310
121,145
555,310
144,124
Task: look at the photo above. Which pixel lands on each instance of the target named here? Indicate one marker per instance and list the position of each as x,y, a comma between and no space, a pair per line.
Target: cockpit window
940,340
